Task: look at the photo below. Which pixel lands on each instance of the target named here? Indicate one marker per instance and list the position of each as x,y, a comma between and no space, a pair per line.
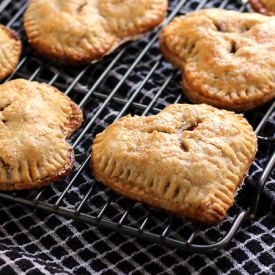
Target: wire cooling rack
135,79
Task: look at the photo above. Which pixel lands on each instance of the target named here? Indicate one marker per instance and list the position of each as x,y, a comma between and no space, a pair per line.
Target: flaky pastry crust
80,31
188,159
35,120
227,57
10,51
263,6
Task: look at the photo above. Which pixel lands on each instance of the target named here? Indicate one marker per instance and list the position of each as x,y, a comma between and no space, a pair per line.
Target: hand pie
10,50
35,120
80,31
227,57
263,6
188,159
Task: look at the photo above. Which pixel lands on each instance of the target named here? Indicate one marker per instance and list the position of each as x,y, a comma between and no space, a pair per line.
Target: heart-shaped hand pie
188,159
263,6
10,50
228,58
80,31
35,120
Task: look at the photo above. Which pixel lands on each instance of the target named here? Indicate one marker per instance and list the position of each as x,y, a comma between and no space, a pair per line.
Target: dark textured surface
35,242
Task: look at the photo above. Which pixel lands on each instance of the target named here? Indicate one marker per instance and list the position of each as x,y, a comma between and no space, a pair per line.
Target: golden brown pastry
35,120
263,6
79,31
227,57
10,50
188,159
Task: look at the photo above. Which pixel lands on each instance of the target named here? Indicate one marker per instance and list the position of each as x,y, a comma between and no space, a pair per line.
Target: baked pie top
79,31
10,50
263,6
228,58
35,119
188,159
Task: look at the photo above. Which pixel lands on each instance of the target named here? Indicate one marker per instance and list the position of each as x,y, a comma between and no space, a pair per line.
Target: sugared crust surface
35,119
10,50
79,31
263,6
188,159
227,57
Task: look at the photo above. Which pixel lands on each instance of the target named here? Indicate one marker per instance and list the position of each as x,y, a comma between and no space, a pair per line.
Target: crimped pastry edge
72,59
58,175
74,122
75,119
194,94
213,216
168,55
206,214
16,50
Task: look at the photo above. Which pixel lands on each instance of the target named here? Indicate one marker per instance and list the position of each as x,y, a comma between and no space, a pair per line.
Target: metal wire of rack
95,204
